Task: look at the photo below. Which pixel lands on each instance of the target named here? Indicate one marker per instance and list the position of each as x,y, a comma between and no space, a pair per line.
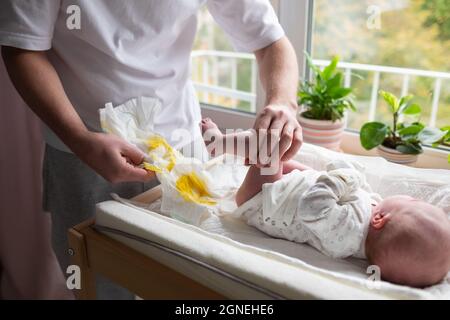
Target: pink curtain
28,266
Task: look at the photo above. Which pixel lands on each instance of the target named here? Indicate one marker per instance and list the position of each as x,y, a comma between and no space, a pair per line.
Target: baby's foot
211,133
207,124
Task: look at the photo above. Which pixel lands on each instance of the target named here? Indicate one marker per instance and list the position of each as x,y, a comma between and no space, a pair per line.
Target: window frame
291,14
287,12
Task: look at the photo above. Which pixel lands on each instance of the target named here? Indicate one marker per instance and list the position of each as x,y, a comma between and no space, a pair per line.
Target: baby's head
409,240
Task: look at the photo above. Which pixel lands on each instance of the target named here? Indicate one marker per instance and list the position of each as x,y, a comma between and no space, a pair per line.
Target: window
399,46
222,77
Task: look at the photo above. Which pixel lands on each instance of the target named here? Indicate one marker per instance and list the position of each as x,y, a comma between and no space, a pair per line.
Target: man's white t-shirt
126,49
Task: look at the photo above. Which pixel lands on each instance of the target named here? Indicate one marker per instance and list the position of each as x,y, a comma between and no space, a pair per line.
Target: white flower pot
395,156
323,133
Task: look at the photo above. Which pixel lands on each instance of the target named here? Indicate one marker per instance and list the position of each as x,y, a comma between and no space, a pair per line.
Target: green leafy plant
325,98
407,138
445,140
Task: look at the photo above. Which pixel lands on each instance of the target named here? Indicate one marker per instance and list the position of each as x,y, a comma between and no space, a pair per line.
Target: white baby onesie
330,210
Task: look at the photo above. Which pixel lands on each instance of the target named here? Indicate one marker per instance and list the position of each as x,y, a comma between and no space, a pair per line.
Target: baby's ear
379,220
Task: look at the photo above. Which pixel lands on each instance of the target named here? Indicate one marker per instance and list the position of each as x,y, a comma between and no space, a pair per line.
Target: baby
336,212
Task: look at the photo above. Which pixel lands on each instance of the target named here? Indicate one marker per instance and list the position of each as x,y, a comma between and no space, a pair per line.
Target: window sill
430,159
233,119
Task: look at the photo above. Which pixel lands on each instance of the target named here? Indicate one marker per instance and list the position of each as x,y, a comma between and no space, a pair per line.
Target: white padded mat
288,269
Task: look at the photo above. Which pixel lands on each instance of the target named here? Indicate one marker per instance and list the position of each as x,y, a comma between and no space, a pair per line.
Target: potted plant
402,141
324,103
445,140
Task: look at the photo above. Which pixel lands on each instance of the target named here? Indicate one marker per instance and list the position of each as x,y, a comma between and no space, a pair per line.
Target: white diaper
189,193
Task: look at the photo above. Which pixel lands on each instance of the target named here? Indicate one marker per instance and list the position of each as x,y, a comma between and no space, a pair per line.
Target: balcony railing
208,83
207,63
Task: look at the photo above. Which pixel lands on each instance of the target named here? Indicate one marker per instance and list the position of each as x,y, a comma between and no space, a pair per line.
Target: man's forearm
39,85
279,73
279,76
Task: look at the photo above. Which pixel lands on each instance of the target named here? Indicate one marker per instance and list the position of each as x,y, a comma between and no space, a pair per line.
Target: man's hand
111,157
279,77
279,121
39,85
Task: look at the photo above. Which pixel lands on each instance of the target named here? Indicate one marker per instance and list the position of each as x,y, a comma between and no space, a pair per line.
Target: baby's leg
292,165
254,179
239,144
253,183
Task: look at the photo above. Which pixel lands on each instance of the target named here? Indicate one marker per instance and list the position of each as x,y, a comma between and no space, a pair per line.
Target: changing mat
245,263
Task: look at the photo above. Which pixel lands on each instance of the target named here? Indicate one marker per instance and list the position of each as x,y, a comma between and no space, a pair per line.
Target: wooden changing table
97,254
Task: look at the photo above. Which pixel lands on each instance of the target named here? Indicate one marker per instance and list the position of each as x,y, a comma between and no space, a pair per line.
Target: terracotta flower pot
323,133
395,156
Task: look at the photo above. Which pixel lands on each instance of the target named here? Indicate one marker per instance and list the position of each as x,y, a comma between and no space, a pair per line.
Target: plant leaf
357,76
339,92
334,81
413,129
405,99
303,94
330,69
435,145
431,135
411,110
351,105
409,148
311,63
372,134
447,137
390,99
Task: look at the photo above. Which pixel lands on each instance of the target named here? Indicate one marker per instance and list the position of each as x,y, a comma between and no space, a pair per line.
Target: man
120,50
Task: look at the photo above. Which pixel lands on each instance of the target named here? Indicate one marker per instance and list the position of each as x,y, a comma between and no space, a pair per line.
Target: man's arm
39,85
279,76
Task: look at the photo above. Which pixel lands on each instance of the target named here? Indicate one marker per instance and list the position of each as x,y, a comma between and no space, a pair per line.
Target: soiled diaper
188,193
